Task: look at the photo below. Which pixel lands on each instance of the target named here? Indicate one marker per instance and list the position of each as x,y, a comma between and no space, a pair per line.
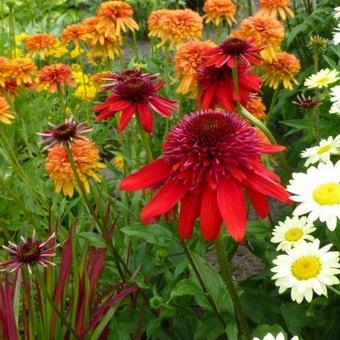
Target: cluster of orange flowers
174,27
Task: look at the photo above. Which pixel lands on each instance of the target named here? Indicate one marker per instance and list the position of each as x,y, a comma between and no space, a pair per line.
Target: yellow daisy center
293,234
323,80
324,149
306,267
327,194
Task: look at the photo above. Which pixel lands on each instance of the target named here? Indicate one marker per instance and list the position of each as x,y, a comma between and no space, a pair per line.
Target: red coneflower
230,51
210,160
135,94
29,252
64,133
216,86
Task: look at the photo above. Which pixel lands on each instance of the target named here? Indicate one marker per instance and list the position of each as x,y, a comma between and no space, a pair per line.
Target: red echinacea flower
216,86
211,160
135,94
231,51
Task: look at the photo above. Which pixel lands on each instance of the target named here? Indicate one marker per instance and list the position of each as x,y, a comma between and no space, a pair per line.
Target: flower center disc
306,267
65,131
327,194
293,234
209,129
28,251
324,149
234,46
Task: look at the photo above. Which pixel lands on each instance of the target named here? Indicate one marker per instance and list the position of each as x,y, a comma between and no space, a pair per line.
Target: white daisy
322,152
335,99
279,336
336,35
336,13
292,232
318,192
306,269
322,79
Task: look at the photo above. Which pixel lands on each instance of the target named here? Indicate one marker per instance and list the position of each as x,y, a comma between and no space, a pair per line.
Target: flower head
282,69
155,26
306,103
29,252
40,44
188,60
22,70
174,27
117,14
336,35
55,76
65,133
322,152
267,33
318,42
216,86
216,10
136,94
318,193
292,232
118,162
306,269
210,160
275,8
279,336
74,33
335,99
59,168
322,79
256,107
6,116
233,51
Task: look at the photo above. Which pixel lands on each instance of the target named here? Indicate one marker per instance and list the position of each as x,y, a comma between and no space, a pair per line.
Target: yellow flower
188,59
78,75
118,162
275,8
215,10
58,167
20,38
323,78
58,50
6,116
282,69
85,92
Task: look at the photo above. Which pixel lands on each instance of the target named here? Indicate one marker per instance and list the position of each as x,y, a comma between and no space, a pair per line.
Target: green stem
145,140
12,31
218,31
228,280
272,105
234,73
334,290
202,284
135,46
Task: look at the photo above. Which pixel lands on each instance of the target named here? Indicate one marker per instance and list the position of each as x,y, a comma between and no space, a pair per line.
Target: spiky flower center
208,75
235,46
129,74
28,251
134,89
65,132
210,145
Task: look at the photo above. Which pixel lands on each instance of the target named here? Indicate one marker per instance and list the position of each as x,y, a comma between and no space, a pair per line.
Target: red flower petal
145,116
147,176
260,203
232,205
126,116
165,199
190,210
210,215
268,148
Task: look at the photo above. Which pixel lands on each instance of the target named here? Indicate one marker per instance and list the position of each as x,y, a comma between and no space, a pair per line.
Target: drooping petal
165,199
268,148
260,203
126,116
232,205
145,116
150,174
190,209
209,214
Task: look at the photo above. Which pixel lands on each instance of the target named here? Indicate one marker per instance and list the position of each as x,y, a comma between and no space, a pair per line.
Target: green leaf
232,330
209,328
214,284
155,234
94,238
185,287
